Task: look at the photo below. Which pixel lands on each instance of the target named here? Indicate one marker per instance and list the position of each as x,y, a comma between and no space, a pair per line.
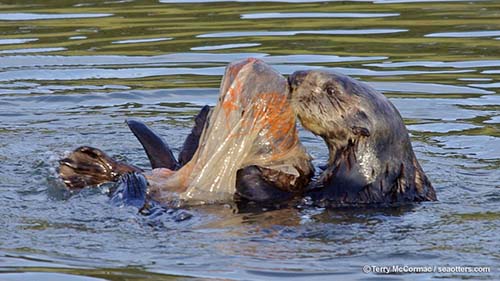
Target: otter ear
361,131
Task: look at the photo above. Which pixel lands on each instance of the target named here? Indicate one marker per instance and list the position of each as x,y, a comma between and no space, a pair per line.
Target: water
71,72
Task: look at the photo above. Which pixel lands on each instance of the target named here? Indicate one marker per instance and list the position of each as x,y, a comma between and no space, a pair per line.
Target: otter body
371,160
247,147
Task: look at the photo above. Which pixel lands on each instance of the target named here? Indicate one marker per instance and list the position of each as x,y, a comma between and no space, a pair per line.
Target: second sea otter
371,160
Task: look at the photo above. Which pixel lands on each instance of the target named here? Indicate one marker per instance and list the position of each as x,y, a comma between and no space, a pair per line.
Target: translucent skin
252,125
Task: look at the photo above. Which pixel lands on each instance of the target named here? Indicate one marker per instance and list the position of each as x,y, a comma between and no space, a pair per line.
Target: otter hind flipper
159,153
193,139
87,166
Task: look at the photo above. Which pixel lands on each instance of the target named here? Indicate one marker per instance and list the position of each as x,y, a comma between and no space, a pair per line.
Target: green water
71,72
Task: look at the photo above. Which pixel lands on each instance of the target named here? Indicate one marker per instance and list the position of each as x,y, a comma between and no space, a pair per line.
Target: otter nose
297,78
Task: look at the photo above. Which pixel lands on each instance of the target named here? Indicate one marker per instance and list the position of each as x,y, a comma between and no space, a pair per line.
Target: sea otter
371,160
246,149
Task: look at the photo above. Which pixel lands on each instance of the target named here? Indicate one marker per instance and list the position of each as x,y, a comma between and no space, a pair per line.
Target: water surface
72,71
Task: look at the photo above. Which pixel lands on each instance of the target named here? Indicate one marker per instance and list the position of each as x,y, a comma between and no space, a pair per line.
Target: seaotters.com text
398,269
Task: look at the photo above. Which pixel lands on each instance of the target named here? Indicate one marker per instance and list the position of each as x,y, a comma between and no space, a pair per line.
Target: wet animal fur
371,159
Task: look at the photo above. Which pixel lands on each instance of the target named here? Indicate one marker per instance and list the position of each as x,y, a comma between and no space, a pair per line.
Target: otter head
335,107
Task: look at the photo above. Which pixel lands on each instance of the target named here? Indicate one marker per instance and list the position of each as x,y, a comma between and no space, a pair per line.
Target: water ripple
33,50
494,71
486,86
133,72
434,88
146,40
35,16
92,73
28,61
288,59
316,15
77,37
454,64
443,109
466,34
288,69
442,127
297,32
225,46
480,147
47,276
17,41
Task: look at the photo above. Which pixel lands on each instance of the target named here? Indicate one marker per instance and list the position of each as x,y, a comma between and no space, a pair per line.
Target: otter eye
331,90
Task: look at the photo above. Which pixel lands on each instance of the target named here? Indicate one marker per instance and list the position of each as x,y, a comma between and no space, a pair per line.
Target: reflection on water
467,34
132,41
72,71
316,15
35,16
16,41
225,46
301,32
32,50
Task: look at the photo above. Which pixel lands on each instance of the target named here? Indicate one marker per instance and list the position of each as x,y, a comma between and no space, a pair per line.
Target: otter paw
88,166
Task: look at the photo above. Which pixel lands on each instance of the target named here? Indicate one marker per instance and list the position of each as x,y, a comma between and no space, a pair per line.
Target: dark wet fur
341,184
342,99
258,188
258,184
